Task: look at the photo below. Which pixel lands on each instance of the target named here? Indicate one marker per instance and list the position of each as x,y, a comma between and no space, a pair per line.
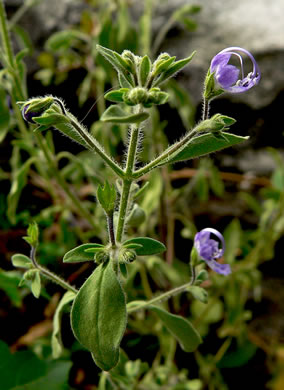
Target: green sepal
115,114
21,261
117,95
202,145
79,253
56,341
144,70
172,70
98,316
149,246
106,196
199,293
211,90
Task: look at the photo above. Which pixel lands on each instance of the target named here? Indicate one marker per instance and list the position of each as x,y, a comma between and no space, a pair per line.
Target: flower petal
223,269
221,60
227,76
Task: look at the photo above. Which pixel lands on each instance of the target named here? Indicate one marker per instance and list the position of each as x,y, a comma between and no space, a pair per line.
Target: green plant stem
111,229
128,179
206,106
50,275
62,182
123,209
163,297
5,35
94,145
166,154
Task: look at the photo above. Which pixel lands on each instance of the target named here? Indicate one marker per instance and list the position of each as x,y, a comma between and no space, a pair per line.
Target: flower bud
35,108
135,96
126,256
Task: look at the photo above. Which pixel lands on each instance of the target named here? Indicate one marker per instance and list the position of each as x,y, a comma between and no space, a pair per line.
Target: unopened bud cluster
140,78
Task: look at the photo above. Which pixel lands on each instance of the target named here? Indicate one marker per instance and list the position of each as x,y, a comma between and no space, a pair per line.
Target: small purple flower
208,250
227,76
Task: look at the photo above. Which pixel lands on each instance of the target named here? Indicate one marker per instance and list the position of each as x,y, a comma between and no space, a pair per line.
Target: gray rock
254,25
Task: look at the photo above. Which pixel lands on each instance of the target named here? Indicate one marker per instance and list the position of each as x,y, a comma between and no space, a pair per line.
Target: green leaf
172,70
180,328
21,261
118,62
33,233
106,195
62,40
55,378
204,144
187,9
9,282
36,284
18,183
79,254
144,69
162,65
238,357
117,95
4,115
149,246
199,293
56,341
98,316
116,114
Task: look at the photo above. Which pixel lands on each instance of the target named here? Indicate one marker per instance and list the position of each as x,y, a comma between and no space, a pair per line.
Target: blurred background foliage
52,181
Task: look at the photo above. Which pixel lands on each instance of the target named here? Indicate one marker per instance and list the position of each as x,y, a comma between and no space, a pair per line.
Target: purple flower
208,250
227,76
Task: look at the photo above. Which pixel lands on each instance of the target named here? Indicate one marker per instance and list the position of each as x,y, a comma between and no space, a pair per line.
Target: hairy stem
111,229
127,180
163,297
94,145
50,275
166,154
206,106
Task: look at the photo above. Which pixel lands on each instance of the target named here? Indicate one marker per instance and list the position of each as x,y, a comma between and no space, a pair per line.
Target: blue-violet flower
208,250
227,76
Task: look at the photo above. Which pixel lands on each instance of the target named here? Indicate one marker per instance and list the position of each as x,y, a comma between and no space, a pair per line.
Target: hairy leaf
98,316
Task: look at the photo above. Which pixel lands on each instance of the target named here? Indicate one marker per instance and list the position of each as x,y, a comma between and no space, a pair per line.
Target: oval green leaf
79,253
21,261
116,114
148,246
180,328
98,316
204,144
56,341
